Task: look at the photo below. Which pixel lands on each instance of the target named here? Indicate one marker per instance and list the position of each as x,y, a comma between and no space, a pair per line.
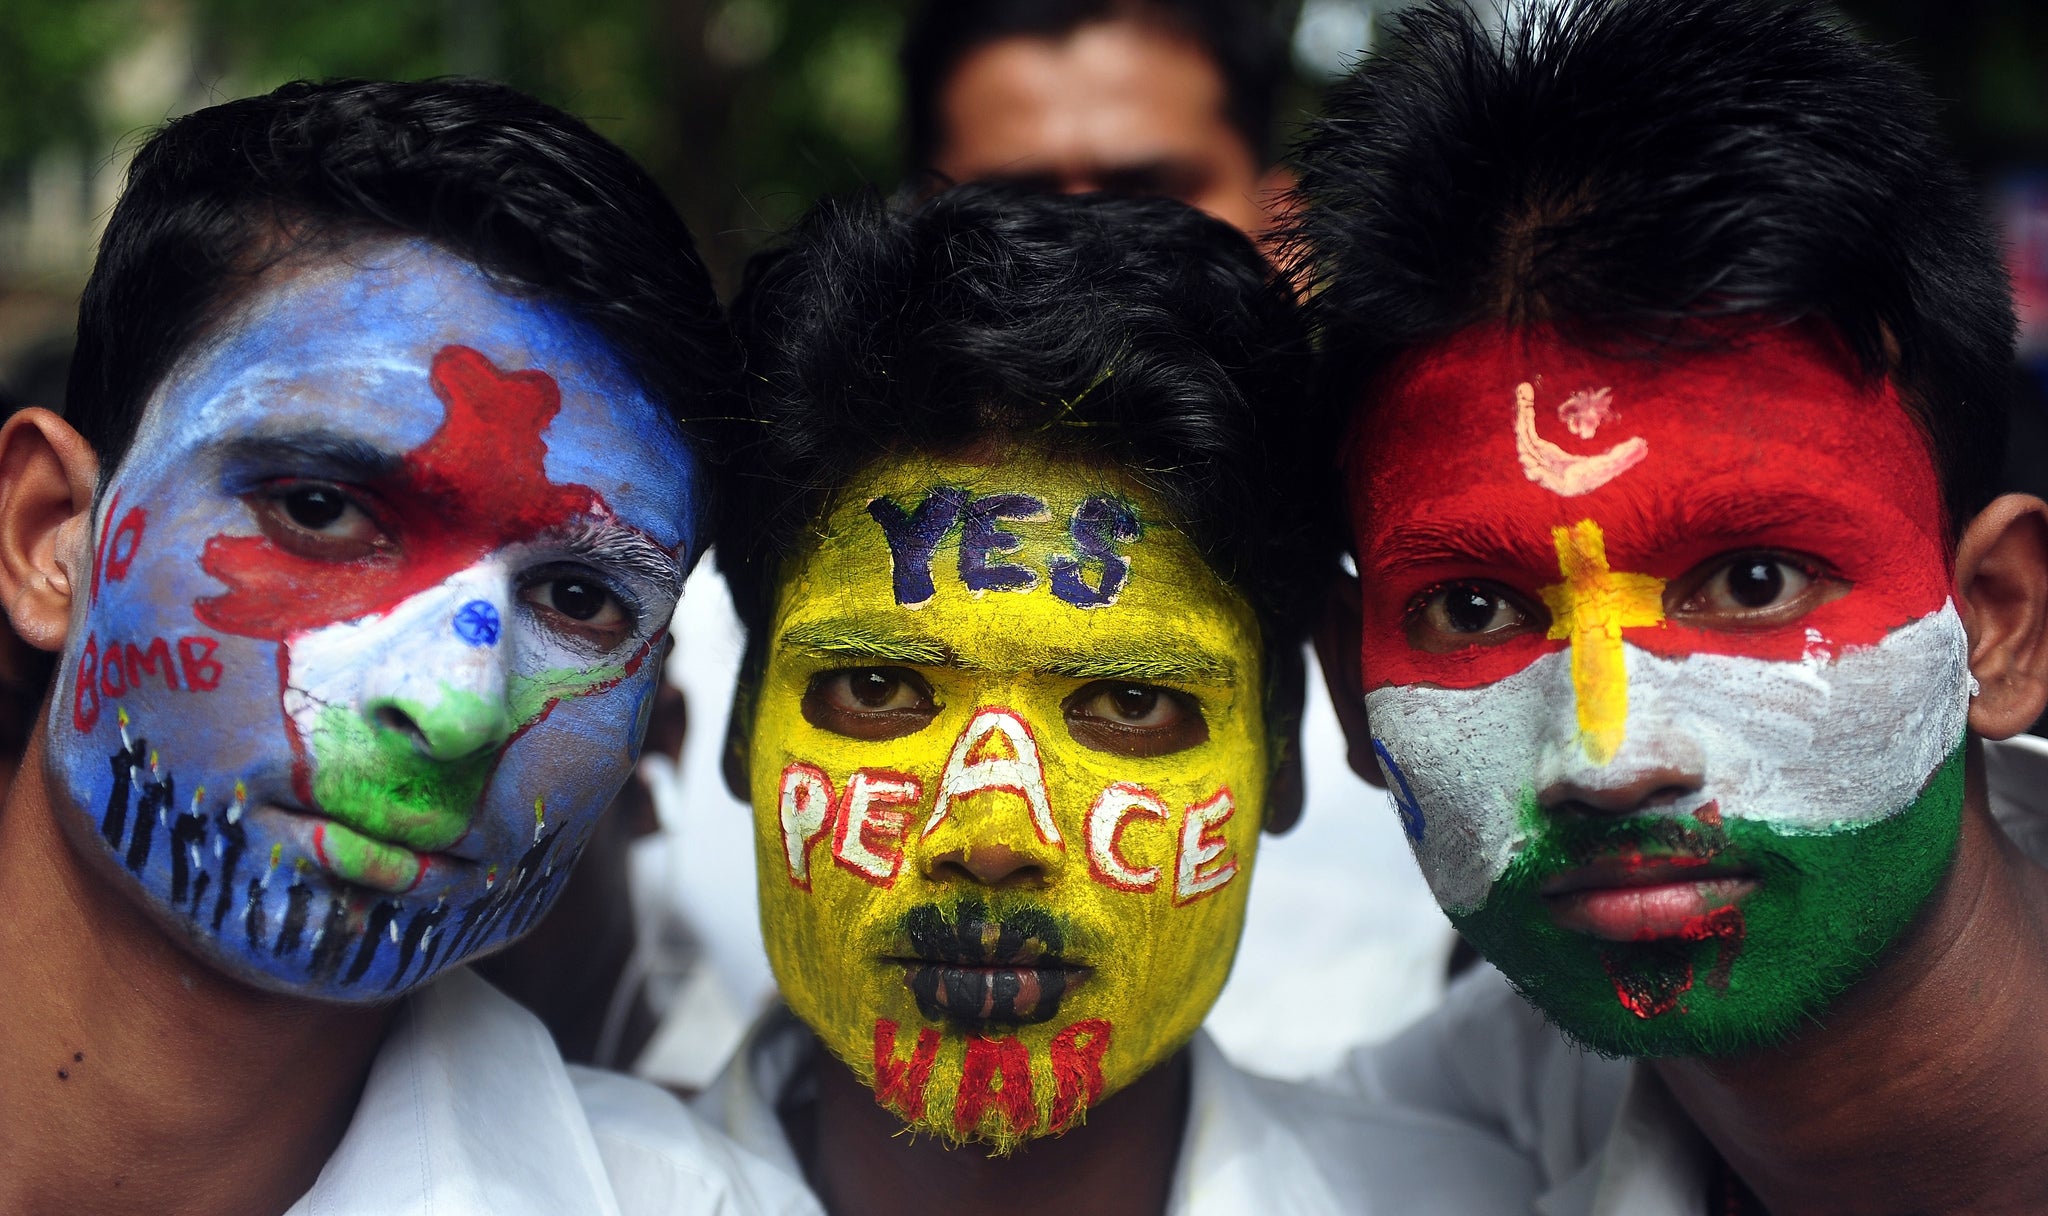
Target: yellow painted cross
1589,609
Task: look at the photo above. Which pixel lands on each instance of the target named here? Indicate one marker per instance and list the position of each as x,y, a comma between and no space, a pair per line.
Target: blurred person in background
1170,98
383,460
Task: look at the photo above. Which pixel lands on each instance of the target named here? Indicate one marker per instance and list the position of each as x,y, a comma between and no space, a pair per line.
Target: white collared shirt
1605,1136
1253,1147
469,1111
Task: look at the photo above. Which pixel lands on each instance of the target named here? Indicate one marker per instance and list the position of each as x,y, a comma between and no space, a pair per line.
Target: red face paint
478,484
1772,443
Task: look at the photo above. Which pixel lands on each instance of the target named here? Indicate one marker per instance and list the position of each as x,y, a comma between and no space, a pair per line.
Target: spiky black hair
1135,332
1620,168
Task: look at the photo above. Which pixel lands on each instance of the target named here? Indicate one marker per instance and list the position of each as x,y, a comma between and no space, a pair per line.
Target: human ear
2002,586
1337,637
47,476
1287,684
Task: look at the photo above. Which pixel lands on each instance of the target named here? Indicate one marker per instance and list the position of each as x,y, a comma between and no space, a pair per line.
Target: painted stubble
1158,959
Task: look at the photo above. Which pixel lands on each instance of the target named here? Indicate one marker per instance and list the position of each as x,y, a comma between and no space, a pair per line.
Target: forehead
1499,425
1128,90
1170,600
343,344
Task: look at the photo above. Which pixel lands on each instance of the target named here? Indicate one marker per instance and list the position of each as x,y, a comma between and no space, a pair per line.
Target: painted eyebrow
861,642
1486,541
608,544
325,451
1728,512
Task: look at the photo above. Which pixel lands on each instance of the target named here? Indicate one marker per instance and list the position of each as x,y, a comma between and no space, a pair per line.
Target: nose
987,864
441,682
1609,793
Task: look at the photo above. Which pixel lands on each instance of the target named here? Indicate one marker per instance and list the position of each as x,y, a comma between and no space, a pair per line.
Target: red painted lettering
113,676
1077,1055
900,1084
139,661
996,1075
202,671
126,540
85,699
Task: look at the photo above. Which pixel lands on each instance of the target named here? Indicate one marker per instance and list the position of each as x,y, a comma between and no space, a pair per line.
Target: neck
1922,1090
1121,1161
136,1077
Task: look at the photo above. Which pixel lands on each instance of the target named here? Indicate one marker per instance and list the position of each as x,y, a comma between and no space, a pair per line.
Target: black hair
1241,37
1619,168
1138,333
520,189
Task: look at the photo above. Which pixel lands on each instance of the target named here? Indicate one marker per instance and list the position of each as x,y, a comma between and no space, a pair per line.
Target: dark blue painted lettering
1100,524
914,536
981,539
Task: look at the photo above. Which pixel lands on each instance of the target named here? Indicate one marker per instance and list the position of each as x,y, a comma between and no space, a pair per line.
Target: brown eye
1134,719
318,520
1752,590
1452,616
580,606
869,702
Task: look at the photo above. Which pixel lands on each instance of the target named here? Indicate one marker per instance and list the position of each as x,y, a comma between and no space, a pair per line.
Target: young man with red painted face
1670,348
356,548
1024,613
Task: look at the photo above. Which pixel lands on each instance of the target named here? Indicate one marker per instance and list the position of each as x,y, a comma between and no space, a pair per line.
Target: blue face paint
376,599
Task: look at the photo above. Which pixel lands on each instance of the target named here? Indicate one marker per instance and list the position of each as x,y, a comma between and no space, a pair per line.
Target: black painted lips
977,970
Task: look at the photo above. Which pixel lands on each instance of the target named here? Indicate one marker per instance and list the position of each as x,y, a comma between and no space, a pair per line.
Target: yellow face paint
1005,900
1590,608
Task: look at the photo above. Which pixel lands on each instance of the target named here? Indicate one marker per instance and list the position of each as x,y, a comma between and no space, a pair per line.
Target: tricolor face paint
1664,672
376,606
1008,766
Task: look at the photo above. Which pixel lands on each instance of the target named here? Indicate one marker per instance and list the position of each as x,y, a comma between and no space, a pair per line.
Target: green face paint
1826,908
384,791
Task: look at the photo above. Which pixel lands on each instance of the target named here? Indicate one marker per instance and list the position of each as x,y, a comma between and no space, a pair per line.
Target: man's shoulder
469,1108
1489,1060
662,1157
1323,1150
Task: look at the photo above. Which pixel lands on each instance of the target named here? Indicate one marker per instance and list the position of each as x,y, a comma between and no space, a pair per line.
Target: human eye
1452,616
869,702
1132,719
1751,590
319,520
579,605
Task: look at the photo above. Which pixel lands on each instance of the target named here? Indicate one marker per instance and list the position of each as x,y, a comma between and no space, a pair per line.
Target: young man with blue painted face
1671,350
357,546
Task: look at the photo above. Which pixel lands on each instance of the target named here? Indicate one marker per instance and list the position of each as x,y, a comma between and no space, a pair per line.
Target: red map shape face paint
367,641
1705,594
477,485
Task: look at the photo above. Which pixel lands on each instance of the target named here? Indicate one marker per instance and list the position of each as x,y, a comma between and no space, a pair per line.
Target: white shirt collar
1251,1144
468,1109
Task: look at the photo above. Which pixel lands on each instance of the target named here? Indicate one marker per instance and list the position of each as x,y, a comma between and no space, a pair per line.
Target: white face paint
1807,747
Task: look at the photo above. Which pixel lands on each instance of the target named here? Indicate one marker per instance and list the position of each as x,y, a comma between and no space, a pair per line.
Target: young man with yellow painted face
1673,349
1014,569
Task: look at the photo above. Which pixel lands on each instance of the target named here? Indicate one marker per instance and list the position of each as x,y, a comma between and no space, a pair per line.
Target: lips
354,856
977,970
1633,898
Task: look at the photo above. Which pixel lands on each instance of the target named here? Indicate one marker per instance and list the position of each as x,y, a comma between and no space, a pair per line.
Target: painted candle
1008,767
1664,672
376,606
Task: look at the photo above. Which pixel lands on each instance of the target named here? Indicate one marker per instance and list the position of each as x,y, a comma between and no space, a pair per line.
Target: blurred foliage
744,109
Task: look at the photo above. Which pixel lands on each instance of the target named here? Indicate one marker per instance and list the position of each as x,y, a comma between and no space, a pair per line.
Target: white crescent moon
1557,470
